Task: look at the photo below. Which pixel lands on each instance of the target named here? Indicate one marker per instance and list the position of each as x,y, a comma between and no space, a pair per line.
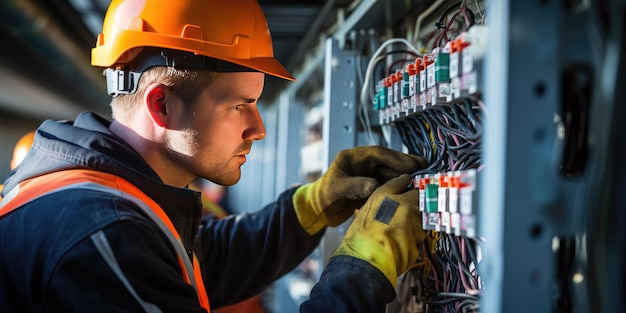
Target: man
98,218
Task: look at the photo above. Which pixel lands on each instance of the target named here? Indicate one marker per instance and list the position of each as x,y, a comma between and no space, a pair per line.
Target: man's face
211,138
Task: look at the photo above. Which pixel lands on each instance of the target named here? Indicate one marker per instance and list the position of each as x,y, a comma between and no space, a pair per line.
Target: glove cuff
303,204
372,253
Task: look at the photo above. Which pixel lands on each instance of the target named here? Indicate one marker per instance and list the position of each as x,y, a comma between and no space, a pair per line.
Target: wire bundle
448,136
444,280
452,284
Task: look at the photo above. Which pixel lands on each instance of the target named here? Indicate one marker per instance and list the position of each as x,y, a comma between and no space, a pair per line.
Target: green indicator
432,191
442,67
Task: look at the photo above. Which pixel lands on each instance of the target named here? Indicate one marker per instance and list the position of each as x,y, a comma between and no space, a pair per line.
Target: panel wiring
426,94
448,136
378,56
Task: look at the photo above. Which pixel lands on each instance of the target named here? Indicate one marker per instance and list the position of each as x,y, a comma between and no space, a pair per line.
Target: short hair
186,84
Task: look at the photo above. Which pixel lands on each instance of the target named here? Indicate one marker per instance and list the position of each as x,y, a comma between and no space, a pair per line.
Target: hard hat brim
268,65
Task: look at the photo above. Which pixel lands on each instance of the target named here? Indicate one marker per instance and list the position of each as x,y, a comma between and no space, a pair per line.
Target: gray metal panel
339,99
525,201
339,118
290,120
518,185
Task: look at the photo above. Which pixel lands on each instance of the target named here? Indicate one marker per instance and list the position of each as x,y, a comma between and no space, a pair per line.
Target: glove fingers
343,198
384,174
396,185
411,196
404,164
336,216
371,160
354,188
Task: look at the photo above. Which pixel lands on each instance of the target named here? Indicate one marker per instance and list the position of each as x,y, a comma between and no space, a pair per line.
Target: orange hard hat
21,148
234,31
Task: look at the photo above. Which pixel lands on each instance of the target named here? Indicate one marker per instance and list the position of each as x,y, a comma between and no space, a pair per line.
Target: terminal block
448,201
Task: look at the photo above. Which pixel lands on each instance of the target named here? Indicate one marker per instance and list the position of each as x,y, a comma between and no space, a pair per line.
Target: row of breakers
448,201
445,74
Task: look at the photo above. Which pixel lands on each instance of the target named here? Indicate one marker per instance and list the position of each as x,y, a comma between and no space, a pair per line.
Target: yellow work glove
350,179
387,230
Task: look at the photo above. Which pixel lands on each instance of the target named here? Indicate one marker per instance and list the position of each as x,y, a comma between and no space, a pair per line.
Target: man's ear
155,102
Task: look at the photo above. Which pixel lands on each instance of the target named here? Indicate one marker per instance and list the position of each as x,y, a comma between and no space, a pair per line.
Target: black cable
471,249
409,52
440,24
463,266
405,138
423,140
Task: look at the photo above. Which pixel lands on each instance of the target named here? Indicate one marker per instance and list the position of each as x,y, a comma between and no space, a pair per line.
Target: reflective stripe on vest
40,186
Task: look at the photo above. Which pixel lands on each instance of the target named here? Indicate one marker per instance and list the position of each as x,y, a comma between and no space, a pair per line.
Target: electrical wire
457,286
480,12
446,27
364,101
448,137
426,13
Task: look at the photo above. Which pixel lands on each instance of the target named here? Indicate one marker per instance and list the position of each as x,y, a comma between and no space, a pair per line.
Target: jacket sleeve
348,284
243,254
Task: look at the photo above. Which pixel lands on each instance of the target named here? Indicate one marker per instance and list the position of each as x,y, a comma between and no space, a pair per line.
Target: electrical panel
422,97
503,100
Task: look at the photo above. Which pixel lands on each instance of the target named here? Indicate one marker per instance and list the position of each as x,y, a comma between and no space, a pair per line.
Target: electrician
98,216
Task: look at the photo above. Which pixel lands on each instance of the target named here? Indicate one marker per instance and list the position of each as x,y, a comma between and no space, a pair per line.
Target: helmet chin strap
124,80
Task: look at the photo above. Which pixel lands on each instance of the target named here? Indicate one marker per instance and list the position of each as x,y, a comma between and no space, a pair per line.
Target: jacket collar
88,143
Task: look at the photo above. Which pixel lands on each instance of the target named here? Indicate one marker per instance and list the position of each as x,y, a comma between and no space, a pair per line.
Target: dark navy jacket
48,263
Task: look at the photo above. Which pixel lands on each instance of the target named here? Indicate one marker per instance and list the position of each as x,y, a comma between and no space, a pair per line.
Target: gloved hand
387,230
350,179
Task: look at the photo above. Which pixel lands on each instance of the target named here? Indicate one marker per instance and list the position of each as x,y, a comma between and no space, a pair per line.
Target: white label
471,83
433,219
455,223
453,203
445,221
422,81
405,105
454,64
443,90
396,92
417,83
467,59
455,89
422,102
424,220
430,75
430,93
466,200
468,225
443,199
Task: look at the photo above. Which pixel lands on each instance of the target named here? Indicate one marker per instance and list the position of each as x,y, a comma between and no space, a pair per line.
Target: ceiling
45,66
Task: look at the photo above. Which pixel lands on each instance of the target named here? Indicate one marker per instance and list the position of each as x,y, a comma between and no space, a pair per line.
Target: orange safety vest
89,179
